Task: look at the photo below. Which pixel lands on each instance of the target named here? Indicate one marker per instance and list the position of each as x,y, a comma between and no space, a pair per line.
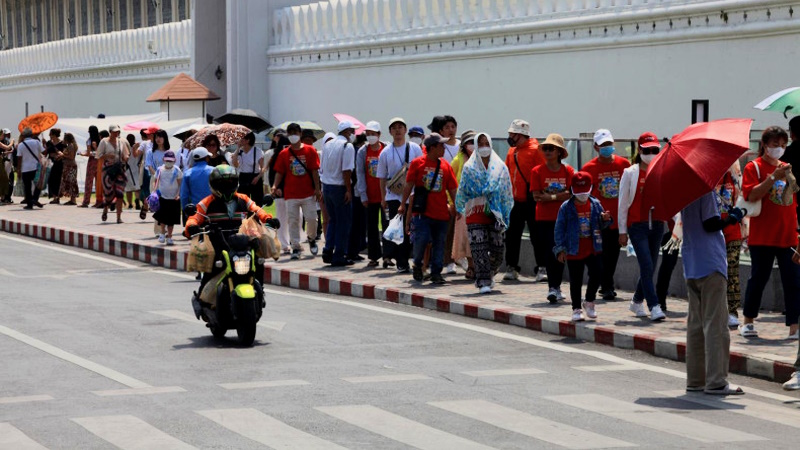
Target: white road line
387,378
12,438
656,419
60,248
759,410
504,372
186,317
399,428
607,368
263,384
139,391
74,359
24,399
130,433
255,425
5,273
529,425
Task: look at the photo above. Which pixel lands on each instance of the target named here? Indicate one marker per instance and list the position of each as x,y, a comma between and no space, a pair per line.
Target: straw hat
556,140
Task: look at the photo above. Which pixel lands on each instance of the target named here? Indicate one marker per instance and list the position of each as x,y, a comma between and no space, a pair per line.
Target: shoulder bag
753,208
397,183
528,193
308,172
421,192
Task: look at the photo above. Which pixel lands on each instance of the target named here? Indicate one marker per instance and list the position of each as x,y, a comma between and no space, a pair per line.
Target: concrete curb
665,347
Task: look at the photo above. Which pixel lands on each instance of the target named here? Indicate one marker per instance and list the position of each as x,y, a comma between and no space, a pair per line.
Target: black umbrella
245,117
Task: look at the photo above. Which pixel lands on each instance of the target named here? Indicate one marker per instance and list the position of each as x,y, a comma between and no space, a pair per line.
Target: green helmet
224,182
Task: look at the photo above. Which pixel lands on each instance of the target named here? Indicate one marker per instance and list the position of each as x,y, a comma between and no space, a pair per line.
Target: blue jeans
761,260
427,230
646,243
340,215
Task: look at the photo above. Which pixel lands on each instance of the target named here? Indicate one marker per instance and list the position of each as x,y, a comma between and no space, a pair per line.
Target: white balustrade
171,41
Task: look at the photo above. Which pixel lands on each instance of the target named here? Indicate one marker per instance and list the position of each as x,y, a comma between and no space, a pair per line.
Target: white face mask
582,197
372,140
169,165
483,152
470,148
294,139
416,140
352,138
647,159
776,152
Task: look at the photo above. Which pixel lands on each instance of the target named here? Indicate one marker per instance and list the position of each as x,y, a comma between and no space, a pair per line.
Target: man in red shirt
523,156
298,167
606,169
431,178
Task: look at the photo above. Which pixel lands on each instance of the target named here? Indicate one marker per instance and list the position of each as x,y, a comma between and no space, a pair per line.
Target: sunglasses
549,148
649,150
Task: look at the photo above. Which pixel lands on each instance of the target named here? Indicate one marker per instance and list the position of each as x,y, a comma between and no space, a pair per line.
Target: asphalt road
100,352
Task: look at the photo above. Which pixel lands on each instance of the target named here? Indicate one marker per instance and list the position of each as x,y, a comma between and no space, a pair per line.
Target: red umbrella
360,127
692,164
140,125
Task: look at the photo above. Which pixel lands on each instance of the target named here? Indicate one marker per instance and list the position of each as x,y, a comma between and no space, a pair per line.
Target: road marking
255,425
59,248
129,432
607,368
186,317
263,384
387,378
399,428
739,405
74,359
12,438
6,273
529,425
656,419
504,372
25,399
139,391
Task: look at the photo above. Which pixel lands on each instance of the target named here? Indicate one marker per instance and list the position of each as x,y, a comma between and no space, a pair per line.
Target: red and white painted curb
664,346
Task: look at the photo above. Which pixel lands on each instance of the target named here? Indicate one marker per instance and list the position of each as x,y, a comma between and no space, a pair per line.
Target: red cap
581,182
152,130
649,139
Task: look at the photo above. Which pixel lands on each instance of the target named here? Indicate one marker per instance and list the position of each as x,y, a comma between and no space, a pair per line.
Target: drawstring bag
201,256
152,201
395,232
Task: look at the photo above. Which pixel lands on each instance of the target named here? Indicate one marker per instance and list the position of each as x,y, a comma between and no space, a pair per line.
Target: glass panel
73,24
59,20
38,23
97,15
151,13
137,13
122,10
112,9
20,22
166,11
83,16
182,10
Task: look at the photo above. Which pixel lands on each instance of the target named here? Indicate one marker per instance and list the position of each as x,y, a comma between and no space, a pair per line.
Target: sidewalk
521,303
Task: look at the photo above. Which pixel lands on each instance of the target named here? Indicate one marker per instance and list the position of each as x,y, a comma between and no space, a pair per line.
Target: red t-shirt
585,244
605,185
371,171
420,173
298,183
726,194
635,211
550,182
776,226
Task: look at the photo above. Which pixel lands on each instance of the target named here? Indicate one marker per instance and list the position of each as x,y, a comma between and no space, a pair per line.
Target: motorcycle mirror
268,200
190,210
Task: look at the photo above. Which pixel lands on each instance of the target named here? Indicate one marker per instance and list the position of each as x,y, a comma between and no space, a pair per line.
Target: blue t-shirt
703,253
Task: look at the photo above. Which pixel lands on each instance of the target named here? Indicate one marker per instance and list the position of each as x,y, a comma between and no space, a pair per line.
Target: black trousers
54,181
544,238
254,191
576,266
392,250
374,213
11,179
668,263
31,193
609,258
521,214
358,231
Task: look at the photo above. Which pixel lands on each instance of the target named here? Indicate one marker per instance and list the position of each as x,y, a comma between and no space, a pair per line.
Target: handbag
753,208
528,193
397,183
421,192
115,169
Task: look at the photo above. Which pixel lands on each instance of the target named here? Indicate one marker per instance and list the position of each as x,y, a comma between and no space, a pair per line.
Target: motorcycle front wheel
246,323
218,332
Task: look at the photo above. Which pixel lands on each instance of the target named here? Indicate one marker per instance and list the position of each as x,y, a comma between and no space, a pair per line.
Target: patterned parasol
228,134
39,122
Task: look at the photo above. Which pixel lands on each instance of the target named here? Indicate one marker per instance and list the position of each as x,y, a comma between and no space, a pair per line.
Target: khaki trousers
308,206
707,337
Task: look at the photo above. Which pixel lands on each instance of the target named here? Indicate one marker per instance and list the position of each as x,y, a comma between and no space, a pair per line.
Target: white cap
373,126
602,136
200,153
6,131
520,126
345,125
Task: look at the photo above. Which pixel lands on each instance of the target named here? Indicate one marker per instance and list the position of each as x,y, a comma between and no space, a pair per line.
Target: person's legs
514,235
790,280
713,306
309,207
342,223
293,215
539,253
761,260
448,243
358,225
645,242
545,236
479,248
27,185
91,174
496,250
594,266
609,259
330,230
422,236
98,183
575,267
438,238
283,216
734,249
695,339
374,213
665,269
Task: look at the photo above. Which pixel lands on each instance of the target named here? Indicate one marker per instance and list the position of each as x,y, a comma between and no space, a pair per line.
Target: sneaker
638,309
295,254
387,262
312,246
541,275
372,263
438,279
793,384
403,269
559,296
326,257
161,239
733,321
418,276
590,311
170,241
511,275
748,330
552,296
795,336
657,314
485,289
577,315
608,295
450,269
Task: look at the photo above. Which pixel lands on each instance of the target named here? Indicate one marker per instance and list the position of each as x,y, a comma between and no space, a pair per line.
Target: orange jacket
528,157
217,211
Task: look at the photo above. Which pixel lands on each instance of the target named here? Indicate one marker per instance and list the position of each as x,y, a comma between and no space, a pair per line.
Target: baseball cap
169,156
416,129
602,136
397,119
345,125
200,153
556,140
649,139
151,130
113,128
581,182
373,126
6,131
434,139
520,126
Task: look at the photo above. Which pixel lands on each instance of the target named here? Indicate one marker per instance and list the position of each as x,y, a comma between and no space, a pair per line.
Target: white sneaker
733,321
559,295
793,384
450,269
541,275
657,314
577,315
638,309
511,275
170,241
795,336
748,330
552,295
590,311
161,239
485,289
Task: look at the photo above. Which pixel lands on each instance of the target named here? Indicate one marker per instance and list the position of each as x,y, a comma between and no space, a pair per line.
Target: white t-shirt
339,155
391,161
30,159
450,151
168,182
107,148
248,162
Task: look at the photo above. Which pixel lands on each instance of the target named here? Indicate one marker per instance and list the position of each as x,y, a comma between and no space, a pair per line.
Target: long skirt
69,181
114,188
54,179
487,245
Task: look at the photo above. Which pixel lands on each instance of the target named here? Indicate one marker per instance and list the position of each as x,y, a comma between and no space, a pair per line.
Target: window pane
39,23
182,9
96,16
112,9
151,13
122,10
59,20
83,16
166,11
20,25
137,13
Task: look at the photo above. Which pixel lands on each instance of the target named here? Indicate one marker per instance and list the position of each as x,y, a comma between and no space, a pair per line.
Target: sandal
104,216
143,214
470,275
695,388
728,389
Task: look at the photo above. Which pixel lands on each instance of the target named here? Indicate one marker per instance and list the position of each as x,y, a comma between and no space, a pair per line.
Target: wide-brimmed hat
556,140
519,126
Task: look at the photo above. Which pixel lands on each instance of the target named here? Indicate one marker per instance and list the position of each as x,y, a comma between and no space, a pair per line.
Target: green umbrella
782,102
304,124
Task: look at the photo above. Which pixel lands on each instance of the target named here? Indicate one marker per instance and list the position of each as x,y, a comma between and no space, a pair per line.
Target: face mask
512,142
483,152
372,140
352,138
169,165
582,197
294,139
416,140
776,152
647,159
606,152
470,148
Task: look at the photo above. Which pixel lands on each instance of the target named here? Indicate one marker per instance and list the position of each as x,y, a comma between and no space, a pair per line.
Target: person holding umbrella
645,235
773,232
